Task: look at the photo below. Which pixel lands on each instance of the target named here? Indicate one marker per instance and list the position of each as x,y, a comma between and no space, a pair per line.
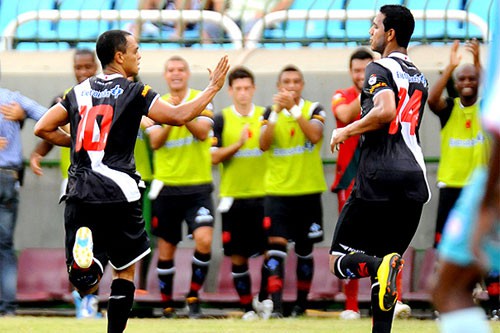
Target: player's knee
86,281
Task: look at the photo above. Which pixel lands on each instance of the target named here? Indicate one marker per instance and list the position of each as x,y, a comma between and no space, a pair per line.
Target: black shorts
117,229
243,231
296,218
376,227
169,211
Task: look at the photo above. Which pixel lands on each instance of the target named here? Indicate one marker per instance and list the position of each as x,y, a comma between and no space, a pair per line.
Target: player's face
291,81
132,57
467,81
377,34
357,71
176,75
84,67
242,91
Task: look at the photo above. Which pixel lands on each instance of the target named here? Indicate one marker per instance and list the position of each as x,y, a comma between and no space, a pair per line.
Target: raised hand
455,57
218,75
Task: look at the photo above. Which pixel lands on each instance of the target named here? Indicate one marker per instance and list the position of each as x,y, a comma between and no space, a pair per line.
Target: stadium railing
11,36
256,34
306,23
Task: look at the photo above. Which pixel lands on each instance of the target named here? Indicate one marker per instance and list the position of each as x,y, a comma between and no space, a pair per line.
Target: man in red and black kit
346,109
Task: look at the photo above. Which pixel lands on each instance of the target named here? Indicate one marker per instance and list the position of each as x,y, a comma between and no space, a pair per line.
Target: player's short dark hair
400,19
240,72
290,68
109,43
361,54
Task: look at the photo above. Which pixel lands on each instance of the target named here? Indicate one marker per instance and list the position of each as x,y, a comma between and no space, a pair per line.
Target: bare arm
347,112
165,113
382,113
49,126
312,130
158,136
220,154
41,150
435,101
200,128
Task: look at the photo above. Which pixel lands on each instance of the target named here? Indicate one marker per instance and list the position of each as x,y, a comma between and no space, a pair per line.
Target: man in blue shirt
13,108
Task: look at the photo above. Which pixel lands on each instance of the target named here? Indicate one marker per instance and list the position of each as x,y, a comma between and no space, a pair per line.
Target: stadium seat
42,275
107,279
225,291
182,280
325,285
425,279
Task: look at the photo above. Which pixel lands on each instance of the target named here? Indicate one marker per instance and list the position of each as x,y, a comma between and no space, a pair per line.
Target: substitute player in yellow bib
292,135
182,188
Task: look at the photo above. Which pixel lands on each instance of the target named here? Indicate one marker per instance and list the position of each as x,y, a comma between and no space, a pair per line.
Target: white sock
464,321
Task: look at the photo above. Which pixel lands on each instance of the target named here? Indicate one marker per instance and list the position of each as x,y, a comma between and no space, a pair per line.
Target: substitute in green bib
292,135
182,189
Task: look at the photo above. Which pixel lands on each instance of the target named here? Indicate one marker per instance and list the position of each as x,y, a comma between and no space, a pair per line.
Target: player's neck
181,93
243,109
394,48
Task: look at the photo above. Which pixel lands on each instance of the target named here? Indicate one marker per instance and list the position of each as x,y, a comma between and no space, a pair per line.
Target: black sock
243,286
305,272
120,304
264,273
382,320
356,265
166,273
275,262
199,267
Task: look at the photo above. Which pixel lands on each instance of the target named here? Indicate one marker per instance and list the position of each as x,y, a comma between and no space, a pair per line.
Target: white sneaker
264,309
401,310
249,316
349,315
82,250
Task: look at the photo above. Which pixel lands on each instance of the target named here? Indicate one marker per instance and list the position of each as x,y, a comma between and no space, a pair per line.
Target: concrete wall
41,76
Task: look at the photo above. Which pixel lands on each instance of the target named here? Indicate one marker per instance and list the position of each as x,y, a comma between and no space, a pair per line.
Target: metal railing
232,32
9,38
272,19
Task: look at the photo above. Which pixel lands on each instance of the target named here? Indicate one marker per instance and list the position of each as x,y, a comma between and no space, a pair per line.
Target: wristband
296,112
273,118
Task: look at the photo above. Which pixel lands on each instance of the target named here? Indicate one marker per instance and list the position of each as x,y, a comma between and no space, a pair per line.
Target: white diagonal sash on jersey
126,183
410,140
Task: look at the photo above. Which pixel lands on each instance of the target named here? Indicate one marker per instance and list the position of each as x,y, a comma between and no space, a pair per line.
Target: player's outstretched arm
166,113
49,126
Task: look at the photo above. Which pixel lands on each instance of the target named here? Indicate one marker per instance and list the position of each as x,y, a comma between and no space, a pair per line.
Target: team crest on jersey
372,80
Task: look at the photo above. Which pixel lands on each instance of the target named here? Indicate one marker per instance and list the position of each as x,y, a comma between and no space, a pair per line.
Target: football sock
166,273
305,272
199,267
351,289
277,255
464,321
243,286
382,320
492,282
356,265
119,304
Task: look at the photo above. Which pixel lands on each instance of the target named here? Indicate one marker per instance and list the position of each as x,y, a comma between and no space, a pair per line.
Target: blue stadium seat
87,29
310,29
11,9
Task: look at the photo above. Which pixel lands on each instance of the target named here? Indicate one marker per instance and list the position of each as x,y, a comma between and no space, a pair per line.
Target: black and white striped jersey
105,113
391,162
